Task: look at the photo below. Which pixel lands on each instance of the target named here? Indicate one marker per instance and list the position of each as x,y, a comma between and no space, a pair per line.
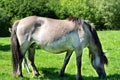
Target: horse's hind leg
19,70
31,53
21,56
66,60
23,49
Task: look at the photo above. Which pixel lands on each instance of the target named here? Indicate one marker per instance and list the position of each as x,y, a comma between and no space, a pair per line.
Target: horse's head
98,58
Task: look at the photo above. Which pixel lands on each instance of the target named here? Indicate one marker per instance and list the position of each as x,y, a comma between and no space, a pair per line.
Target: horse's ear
105,58
104,52
10,30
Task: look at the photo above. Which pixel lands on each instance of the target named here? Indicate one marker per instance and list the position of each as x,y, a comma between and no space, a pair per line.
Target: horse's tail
98,43
15,48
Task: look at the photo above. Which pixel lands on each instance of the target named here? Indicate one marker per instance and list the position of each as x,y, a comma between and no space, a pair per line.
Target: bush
107,14
4,23
103,13
11,10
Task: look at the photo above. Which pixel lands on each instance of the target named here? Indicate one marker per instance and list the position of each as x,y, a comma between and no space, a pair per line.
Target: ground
49,64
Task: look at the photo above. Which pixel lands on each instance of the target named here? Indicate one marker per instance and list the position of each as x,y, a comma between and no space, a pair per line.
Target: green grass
49,64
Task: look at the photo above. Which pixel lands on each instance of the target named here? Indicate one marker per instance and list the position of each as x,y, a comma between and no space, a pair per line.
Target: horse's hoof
20,75
79,78
102,76
38,76
61,74
17,75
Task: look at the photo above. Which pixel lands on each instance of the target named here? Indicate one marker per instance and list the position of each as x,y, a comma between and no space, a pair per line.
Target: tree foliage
105,14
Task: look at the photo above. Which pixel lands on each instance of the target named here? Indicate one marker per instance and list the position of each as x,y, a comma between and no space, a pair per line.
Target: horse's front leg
31,53
78,63
66,60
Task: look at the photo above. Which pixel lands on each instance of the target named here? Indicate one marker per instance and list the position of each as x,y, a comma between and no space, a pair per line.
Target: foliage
103,13
107,14
4,23
14,9
49,64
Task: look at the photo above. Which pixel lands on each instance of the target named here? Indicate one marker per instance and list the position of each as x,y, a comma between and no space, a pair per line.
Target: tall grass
49,64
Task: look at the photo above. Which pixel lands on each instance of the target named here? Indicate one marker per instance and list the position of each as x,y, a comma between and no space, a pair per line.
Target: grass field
49,64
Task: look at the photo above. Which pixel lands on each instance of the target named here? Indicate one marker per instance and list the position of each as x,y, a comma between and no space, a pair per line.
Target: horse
56,36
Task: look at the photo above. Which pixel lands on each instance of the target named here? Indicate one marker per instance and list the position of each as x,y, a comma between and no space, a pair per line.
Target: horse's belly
67,42
58,46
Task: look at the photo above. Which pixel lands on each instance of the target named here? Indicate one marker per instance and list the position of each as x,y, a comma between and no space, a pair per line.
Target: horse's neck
93,47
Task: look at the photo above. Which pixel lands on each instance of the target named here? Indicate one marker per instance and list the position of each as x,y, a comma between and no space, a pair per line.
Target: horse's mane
72,18
97,42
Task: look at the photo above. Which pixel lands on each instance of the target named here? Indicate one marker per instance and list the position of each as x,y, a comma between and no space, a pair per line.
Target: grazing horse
56,36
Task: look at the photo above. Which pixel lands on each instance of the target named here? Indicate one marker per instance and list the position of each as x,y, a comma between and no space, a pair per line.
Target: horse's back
42,29
52,29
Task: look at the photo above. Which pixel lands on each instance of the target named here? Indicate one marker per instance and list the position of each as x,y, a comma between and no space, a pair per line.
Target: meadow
49,64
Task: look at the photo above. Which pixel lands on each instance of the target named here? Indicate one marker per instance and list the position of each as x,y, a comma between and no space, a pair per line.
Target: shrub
103,13
4,23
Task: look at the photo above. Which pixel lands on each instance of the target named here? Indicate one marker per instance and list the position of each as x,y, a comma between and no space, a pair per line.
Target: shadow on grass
52,74
21,78
4,47
113,77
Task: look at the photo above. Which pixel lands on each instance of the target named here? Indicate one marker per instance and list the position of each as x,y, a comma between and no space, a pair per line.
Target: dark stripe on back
72,19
